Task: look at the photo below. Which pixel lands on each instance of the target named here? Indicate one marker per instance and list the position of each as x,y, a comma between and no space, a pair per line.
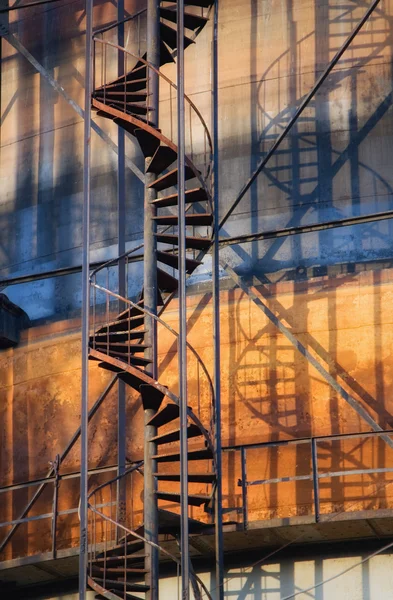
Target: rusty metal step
191,242
194,219
169,413
193,499
192,477
151,397
169,36
174,435
172,260
194,195
170,179
166,282
201,454
147,141
191,21
163,157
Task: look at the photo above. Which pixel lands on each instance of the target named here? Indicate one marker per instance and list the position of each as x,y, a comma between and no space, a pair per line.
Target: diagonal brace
358,408
11,39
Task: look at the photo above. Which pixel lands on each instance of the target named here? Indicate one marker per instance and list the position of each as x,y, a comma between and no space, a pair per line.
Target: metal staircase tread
126,347
169,413
129,358
165,54
130,374
200,3
191,21
193,499
172,261
132,546
199,454
122,324
169,36
166,282
130,76
174,435
120,336
194,195
151,397
131,558
170,179
163,157
169,522
127,311
194,219
128,86
191,241
121,585
147,141
121,570
192,477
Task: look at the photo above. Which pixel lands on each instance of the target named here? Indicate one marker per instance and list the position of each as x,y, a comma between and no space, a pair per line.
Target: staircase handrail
177,335
169,81
153,544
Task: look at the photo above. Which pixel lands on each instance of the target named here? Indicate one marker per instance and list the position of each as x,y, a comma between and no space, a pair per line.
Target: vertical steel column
55,504
184,548
121,228
85,305
150,302
216,323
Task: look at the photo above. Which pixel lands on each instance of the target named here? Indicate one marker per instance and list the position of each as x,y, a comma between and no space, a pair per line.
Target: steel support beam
357,407
299,111
150,294
182,348
288,231
84,456
219,541
15,43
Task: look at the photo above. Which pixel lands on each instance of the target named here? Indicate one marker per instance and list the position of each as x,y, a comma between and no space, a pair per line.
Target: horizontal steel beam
298,230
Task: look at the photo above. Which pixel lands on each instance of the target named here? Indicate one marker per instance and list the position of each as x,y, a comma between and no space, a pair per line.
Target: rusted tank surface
335,163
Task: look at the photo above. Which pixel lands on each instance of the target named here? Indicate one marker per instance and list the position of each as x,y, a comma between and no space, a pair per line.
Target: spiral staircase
117,565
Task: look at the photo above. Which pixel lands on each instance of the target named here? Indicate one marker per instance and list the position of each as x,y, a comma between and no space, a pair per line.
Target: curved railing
106,350
165,128
106,531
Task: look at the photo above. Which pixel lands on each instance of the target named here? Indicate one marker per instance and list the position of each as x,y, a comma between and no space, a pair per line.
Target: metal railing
316,472
105,532
199,146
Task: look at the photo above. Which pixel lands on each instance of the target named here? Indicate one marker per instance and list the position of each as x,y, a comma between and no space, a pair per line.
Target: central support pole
184,547
121,228
150,295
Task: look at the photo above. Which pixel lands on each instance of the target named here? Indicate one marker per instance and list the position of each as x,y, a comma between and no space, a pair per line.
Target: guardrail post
243,482
56,466
315,479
